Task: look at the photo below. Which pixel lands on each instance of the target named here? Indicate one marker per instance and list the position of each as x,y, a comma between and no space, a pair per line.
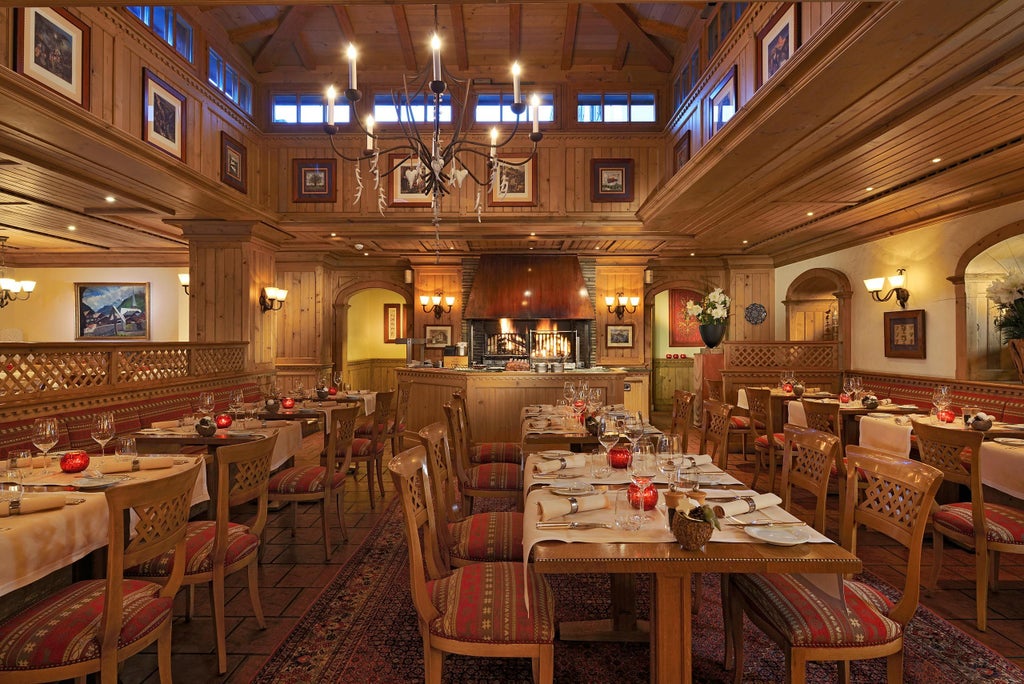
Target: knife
767,523
571,525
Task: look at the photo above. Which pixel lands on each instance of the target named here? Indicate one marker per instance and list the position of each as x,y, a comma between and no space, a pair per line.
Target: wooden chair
823,416
486,452
768,446
322,483
682,415
463,540
715,431
715,391
491,480
476,610
217,548
864,623
370,450
93,625
990,529
807,460
397,426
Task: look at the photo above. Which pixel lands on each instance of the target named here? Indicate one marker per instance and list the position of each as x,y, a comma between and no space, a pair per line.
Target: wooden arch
340,310
841,290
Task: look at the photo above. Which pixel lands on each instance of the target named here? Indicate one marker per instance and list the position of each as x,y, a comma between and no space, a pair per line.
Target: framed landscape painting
53,49
406,186
611,180
619,336
313,180
112,311
232,162
515,183
438,336
163,115
777,41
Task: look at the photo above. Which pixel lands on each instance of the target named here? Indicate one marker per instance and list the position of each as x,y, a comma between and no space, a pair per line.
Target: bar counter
494,398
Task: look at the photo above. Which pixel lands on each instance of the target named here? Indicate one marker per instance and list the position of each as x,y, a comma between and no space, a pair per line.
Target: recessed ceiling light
810,213
366,254
531,248
533,235
936,160
745,241
110,198
693,254
869,188
334,235
71,228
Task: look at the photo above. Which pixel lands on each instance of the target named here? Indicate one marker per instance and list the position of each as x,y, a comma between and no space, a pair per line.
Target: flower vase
1016,347
712,334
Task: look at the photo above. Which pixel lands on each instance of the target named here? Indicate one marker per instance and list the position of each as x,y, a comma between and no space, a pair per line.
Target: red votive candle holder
288,402
223,420
648,497
74,461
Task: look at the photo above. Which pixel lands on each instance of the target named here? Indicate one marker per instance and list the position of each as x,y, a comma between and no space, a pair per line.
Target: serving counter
494,399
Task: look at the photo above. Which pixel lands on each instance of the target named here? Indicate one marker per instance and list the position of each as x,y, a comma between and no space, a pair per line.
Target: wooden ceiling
896,85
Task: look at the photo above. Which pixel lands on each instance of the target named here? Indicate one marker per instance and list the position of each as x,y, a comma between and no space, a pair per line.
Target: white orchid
1008,294
714,308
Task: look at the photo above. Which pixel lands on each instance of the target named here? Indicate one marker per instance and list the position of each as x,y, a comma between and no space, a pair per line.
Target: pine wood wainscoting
494,399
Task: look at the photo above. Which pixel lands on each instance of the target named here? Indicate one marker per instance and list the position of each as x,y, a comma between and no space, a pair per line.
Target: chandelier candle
517,95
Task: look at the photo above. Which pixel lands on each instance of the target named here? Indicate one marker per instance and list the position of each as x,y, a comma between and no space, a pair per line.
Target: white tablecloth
368,398
1002,468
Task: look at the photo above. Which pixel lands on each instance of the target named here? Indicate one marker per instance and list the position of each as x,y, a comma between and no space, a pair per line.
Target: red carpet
362,628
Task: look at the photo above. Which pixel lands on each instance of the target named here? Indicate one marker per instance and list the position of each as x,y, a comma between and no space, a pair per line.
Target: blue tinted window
616,108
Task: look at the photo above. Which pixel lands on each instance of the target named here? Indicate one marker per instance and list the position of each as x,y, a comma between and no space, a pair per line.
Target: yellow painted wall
366,326
660,333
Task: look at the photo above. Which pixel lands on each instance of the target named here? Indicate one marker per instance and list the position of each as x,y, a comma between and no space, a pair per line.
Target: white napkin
556,508
33,504
163,424
690,460
550,466
885,435
797,416
147,463
740,506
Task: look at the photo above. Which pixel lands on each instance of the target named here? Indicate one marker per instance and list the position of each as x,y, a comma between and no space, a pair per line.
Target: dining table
164,440
544,426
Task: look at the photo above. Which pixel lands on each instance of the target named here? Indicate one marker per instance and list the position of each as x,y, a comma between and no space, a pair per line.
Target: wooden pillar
230,262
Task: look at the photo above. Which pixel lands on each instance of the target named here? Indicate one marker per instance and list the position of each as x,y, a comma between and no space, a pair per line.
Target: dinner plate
242,433
908,406
1009,441
97,482
779,536
577,489
555,454
878,414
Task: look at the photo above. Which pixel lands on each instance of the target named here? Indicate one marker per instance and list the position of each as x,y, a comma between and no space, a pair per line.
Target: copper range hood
529,288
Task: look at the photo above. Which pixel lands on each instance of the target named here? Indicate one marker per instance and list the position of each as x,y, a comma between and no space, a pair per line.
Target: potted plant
1008,295
711,313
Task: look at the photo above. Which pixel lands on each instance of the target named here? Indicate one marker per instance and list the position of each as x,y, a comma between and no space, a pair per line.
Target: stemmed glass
634,431
848,386
45,434
568,391
321,391
858,386
641,471
594,399
103,430
941,398
206,403
607,435
236,402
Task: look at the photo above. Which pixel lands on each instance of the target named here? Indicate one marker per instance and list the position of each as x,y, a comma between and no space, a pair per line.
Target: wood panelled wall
629,280
428,280
372,374
752,281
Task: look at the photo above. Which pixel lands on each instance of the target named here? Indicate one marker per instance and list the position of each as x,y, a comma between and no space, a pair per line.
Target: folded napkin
25,462
147,463
747,504
31,504
163,424
884,402
37,461
555,508
277,423
690,460
550,466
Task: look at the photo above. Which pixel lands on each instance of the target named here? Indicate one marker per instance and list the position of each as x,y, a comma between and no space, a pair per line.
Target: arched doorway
367,316
818,309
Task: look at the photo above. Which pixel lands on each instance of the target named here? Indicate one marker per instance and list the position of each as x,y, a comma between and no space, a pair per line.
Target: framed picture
53,49
232,162
313,180
163,115
777,41
407,185
515,183
682,151
394,322
112,311
438,336
611,180
722,102
683,329
904,334
619,335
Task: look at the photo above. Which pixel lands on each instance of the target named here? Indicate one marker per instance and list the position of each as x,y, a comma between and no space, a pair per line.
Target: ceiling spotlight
71,228
110,198
869,188
358,246
936,160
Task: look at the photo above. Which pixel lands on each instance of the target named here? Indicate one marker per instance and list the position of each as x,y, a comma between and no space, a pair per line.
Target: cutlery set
572,525
767,523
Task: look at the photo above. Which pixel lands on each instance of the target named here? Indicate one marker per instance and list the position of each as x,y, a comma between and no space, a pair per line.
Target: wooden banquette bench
1004,401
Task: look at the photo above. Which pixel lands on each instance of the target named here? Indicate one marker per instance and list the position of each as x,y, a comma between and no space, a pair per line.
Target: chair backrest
443,488
459,402
714,389
339,439
946,449
455,416
383,412
881,434
682,414
243,473
895,500
412,484
759,406
402,405
161,509
716,430
807,463
823,416
795,414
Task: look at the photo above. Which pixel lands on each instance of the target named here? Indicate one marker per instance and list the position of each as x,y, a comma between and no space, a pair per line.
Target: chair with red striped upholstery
370,450
715,431
217,548
682,415
739,420
486,452
93,625
807,461
988,528
466,539
768,445
484,609
860,622
490,480
397,425
325,482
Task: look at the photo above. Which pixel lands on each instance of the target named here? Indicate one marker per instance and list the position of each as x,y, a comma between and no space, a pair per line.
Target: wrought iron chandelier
12,290
439,156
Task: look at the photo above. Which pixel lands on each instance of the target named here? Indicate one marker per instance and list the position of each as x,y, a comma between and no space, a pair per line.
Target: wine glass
568,391
858,385
607,435
206,403
941,398
103,430
641,471
45,435
235,402
634,431
848,386
594,401
337,381
321,391
126,449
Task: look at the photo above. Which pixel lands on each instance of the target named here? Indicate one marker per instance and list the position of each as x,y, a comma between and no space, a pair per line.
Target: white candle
330,105
535,112
494,142
516,95
435,46
353,84
369,133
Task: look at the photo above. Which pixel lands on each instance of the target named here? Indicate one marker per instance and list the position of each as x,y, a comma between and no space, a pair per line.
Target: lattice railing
779,356
37,370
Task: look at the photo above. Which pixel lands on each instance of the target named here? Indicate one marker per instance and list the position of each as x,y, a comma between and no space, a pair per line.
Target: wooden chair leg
936,558
369,482
340,505
844,671
254,595
894,667
981,578
190,602
325,522
219,629
757,468
380,473
163,654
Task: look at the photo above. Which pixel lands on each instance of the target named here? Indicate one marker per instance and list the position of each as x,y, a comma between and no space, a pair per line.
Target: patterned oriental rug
362,628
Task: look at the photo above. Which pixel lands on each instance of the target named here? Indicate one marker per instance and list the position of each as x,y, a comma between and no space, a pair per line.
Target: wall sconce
896,282
648,276
434,303
618,304
272,298
12,290
184,279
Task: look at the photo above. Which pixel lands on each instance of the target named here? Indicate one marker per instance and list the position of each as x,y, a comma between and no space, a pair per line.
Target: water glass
689,478
24,456
11,485
126,449
627,518
599,466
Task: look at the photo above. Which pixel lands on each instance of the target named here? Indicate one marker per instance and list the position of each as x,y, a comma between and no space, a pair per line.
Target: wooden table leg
623,624
671,629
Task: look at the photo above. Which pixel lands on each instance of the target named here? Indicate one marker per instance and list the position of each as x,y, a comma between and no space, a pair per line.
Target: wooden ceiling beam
348,30
515,31
624,21
260,30
404,37
664,29
621,50
459,36
572,20
293,20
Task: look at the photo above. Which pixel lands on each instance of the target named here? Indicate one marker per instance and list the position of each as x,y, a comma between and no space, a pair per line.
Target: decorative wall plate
755,314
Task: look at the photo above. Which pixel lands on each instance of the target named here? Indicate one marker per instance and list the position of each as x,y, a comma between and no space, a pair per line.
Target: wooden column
230,262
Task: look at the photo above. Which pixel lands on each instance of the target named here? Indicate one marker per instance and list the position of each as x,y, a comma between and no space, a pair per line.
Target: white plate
908,406
242,433
97,482
779,536
579,489
1009,441
555,454
880,415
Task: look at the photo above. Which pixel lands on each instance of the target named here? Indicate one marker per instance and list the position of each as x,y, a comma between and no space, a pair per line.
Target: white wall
930,256
366,326
50,314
